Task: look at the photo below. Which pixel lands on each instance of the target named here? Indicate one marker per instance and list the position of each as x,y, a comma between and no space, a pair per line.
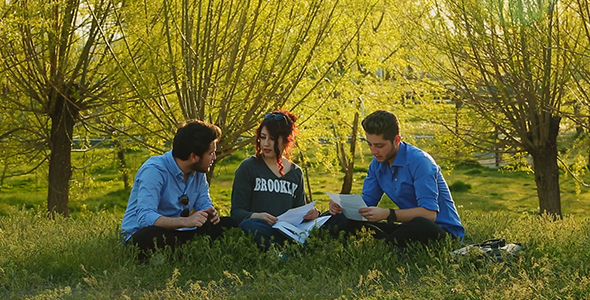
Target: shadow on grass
115,200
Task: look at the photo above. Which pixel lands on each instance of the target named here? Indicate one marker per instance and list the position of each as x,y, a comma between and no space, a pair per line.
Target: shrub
473,172
459,187
361,169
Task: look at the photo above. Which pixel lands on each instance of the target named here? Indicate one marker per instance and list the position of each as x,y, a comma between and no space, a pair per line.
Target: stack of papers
291,223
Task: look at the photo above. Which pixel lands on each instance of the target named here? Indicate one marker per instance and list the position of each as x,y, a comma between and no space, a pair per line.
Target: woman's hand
270,219
314,213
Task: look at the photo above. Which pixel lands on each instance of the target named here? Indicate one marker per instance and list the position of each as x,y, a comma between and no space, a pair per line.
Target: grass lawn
81,258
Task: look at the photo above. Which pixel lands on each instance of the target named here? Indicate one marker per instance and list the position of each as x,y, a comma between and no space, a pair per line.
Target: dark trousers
417,230
264,234
152,237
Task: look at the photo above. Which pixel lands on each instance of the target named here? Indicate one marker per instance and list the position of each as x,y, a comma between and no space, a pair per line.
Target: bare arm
196,219
270,219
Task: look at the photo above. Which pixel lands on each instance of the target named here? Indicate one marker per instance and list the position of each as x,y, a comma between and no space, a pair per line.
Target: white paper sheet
291,222
295,215
350,205
301,231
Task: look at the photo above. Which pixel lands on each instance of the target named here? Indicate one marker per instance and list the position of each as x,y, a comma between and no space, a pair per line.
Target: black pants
417,230
150,237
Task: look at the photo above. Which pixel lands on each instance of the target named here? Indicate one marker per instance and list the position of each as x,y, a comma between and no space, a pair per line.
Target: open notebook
291,222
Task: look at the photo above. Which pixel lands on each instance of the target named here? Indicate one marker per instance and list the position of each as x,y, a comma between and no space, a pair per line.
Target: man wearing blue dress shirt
412,180
169,203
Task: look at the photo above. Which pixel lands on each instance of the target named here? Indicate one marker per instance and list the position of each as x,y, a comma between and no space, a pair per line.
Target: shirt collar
400,158
172,166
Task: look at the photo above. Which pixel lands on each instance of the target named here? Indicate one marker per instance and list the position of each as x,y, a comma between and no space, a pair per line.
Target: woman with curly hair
268,183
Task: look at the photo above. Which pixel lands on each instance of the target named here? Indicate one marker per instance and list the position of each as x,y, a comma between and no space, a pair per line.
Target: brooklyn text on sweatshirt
275,186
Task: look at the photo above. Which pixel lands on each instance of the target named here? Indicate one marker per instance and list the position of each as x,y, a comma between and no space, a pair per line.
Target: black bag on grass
495,249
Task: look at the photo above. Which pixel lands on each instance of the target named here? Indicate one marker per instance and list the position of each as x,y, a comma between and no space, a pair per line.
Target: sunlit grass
81,258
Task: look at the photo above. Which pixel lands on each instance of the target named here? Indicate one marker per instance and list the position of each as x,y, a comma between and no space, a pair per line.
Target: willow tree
582,78
58,63
511,62
230,62
368,77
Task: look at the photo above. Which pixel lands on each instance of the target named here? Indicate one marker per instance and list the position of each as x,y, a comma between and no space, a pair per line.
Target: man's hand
196,219
270,219
374,214
335,208
212,215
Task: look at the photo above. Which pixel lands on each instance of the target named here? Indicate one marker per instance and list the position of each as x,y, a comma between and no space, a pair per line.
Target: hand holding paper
350,205
292,225
295,215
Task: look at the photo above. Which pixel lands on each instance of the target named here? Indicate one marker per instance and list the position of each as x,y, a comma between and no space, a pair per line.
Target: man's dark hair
194,136
382,122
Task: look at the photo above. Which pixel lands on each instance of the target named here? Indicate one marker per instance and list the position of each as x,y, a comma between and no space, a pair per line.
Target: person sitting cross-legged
268,183
412,180
169,203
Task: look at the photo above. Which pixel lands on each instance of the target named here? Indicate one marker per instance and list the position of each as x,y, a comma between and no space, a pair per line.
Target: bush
361,169
474,172
459,187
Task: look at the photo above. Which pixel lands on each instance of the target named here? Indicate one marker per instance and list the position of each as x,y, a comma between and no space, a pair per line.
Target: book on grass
350,205
292,224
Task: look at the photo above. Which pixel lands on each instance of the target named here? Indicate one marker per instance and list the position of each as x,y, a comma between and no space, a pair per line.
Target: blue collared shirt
413,180
159,183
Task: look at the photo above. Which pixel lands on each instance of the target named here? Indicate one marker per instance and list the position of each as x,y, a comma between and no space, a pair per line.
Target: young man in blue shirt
412,180
169,202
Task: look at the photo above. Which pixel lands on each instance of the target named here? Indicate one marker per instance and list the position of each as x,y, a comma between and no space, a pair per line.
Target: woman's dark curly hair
279,124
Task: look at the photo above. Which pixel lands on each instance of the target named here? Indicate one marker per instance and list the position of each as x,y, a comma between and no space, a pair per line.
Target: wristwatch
392,218
319,212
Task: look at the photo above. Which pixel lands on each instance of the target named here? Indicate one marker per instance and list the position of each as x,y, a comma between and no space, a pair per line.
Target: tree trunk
498,149
3,175
547,180
547,173
347,181
60,164
578,114
309,197
123,164
349,167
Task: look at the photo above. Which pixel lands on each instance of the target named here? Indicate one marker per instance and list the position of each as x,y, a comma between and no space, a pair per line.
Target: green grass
81,257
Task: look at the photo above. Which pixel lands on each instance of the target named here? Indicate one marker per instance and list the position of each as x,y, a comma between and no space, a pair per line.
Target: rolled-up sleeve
148,196
425,184
372,191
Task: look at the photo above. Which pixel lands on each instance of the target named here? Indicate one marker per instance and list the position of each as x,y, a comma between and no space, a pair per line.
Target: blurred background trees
494,76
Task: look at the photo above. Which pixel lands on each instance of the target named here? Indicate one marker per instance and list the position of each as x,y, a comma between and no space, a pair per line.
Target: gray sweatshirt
257,189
